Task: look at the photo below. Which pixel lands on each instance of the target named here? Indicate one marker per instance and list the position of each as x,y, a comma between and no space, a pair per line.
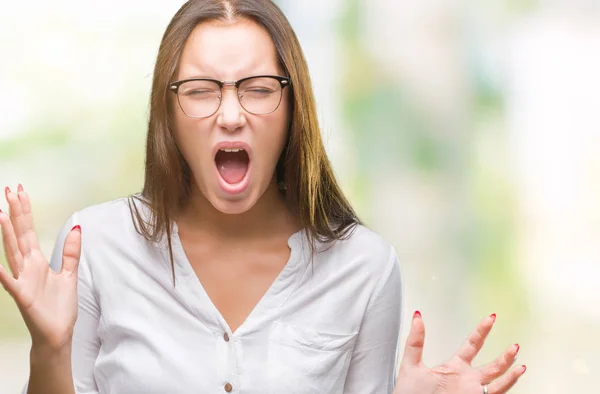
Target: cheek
271,143
285,119
192,142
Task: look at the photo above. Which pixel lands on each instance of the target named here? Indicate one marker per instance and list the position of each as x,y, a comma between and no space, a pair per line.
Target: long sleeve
86,343
374,362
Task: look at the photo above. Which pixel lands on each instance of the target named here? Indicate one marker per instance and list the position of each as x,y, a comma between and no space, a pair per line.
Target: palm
457,375
47,300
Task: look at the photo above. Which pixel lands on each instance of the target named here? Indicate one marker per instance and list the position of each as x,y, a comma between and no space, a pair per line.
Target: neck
269,217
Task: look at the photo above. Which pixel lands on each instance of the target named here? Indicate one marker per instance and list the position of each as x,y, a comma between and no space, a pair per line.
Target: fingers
22,219
475,341
72,251
11,248
413,351
28,217
503,384
499,366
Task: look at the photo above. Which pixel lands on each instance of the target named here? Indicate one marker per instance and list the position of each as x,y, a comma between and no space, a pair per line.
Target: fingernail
524,368
518,348
493,316
76,227
6,190
20,188
417,314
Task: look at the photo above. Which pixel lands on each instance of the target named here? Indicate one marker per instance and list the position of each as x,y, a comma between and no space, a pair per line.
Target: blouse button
228,387
226,337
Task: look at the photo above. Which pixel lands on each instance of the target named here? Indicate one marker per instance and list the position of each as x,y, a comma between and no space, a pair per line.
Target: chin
233,204
230,207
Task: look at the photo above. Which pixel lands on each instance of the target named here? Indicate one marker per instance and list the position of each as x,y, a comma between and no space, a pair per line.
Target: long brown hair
311,189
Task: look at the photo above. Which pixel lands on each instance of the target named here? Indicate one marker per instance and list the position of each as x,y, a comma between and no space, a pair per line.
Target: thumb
413,351
72,251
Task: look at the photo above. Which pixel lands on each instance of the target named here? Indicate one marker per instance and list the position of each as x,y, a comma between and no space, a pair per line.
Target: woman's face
232,180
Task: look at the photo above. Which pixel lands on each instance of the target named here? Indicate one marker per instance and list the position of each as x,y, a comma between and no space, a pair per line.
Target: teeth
232,150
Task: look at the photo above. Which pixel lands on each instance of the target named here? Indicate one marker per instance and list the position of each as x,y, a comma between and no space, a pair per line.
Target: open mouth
232,164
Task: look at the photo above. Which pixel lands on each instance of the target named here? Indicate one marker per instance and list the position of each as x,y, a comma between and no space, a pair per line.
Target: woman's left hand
457,375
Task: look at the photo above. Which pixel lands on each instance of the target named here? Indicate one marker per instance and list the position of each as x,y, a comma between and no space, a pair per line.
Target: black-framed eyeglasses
201,97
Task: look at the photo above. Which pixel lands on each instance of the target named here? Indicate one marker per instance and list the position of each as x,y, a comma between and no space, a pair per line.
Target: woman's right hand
47,300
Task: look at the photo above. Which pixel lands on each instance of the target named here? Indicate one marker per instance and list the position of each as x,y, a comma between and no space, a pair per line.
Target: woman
240,267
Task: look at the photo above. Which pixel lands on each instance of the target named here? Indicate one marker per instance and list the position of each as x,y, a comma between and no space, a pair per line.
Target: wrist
42,352
56,342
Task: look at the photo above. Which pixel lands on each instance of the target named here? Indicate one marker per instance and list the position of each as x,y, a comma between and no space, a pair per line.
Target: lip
243,184
232,145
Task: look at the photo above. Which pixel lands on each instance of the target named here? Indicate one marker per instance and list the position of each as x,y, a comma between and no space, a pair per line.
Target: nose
231,115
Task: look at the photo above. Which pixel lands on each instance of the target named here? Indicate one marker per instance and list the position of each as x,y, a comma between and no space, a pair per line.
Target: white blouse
330,327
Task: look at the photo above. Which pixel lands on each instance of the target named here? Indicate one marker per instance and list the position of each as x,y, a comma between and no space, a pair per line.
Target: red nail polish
493,316
20,188
417,314
518,347
524,368
6,190
76,227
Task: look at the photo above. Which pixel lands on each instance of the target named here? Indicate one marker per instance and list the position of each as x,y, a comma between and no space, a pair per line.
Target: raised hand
47,300
457,375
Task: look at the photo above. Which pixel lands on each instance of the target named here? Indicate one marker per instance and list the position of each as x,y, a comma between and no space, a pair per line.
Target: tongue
232,165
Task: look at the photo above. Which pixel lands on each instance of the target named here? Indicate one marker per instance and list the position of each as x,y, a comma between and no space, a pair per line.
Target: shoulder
364,253
104,226
109,225
109,214
113,223
367,246
112,246
363,240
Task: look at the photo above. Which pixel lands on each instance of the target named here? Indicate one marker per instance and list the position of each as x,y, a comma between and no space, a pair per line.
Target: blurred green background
466,133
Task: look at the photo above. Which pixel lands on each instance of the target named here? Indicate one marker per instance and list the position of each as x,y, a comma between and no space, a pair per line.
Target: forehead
228,51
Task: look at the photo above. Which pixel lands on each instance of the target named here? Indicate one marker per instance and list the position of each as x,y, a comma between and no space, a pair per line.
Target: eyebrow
200,76
217,79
